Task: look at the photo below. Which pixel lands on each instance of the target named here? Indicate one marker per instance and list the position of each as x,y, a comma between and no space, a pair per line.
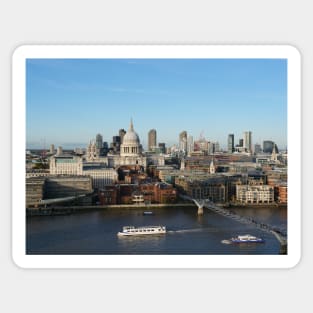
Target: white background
220,22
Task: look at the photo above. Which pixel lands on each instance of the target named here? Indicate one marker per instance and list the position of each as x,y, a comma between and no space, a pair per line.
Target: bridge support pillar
200,210
283,249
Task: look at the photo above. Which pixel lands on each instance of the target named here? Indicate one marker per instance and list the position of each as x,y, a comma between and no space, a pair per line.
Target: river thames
95,232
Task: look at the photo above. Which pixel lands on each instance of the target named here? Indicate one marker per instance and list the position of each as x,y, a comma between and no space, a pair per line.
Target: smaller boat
247,239
148,213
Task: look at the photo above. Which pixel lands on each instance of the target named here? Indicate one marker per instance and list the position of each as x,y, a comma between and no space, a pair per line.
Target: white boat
144,230
246,238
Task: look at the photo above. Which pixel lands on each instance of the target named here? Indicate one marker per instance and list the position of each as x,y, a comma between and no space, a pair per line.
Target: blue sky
69,101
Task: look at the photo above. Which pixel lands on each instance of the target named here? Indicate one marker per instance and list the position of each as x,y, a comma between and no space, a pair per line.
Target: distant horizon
69,101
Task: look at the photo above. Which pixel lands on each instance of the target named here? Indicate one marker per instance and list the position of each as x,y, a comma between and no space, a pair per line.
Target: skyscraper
247,141
190,145
121,133
257,148
183,141
162,147
52,149
231,143
99,141
152,140
268,146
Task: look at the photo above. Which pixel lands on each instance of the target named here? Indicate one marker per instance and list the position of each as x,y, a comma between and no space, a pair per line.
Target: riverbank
256,205
65,210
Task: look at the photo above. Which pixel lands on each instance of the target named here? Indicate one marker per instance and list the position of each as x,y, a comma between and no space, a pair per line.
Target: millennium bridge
280,233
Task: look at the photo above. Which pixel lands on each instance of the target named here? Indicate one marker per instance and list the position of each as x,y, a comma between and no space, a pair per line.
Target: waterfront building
231,143
66,165
67,186
212,188
34,191
281,193
152,139
101,175
108,195
276,176
53,187
73,165
146,193
247,141
255,194
216,187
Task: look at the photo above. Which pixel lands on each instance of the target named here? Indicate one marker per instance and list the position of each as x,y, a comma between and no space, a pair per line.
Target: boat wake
226,242
192,230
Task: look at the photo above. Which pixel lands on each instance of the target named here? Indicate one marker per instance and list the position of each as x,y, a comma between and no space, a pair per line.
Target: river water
95,232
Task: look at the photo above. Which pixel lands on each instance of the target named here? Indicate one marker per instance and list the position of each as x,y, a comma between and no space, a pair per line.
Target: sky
69,101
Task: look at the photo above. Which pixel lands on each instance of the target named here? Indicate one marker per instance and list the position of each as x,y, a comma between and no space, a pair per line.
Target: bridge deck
278,232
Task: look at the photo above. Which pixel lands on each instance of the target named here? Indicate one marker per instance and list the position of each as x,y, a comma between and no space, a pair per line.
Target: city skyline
70,101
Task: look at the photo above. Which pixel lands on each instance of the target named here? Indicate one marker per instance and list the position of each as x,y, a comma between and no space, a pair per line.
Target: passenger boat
144,230
246,238
148,213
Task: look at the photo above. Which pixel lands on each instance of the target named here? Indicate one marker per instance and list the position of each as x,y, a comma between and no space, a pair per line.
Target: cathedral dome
131,143
131,136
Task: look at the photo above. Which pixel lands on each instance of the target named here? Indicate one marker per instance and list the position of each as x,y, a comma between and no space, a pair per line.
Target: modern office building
162,147
115,144
247,141
213,147
152,139
231,143
99,141
257,148
268,146
190,145
52,150
183,141
59,151
121,134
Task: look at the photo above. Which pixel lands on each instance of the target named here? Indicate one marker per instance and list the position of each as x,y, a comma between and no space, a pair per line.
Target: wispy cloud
135,91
